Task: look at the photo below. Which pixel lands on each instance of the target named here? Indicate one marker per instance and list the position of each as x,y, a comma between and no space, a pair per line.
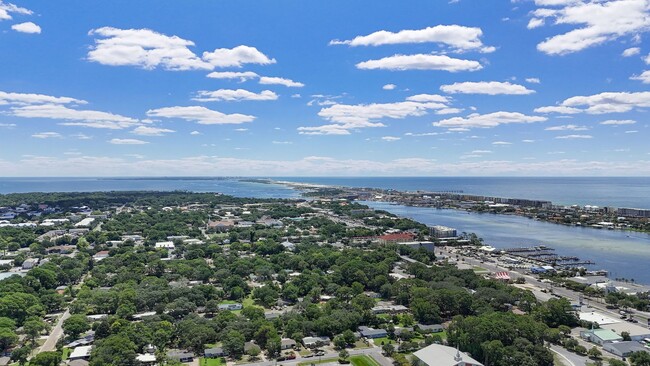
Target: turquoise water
622,253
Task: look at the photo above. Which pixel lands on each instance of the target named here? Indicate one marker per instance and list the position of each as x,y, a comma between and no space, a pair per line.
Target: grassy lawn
304,352
248,301
479,269
211,361
386,340
66,353
442,334
360,344
363,360
315,361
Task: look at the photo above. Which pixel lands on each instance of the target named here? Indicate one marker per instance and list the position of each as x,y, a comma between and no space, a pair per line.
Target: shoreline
399,197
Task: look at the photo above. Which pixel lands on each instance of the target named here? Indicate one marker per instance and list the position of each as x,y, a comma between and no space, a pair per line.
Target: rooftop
439,355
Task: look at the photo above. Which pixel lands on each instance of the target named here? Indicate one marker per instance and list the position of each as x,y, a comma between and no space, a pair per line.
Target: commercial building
600,336
439,231
367,332
624,349
633,212
439,355
636,332
395,238
428,245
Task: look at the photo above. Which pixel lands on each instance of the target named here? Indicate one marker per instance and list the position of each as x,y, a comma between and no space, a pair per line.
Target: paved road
57,332
573,296
571,359
374,352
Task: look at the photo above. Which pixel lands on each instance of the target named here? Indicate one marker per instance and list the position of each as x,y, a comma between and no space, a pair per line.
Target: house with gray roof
624,349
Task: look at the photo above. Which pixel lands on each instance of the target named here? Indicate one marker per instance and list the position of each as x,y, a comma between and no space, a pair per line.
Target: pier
547,256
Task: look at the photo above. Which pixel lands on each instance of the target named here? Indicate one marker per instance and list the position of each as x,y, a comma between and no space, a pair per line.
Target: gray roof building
624,349
439,355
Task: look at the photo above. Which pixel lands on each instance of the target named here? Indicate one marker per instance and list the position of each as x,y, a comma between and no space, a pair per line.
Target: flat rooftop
596,317
635,330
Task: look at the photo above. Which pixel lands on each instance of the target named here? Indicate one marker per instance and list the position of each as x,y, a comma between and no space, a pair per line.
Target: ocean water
598,191
622,253
232,187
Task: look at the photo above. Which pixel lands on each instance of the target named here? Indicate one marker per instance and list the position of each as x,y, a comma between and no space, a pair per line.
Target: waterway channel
624,254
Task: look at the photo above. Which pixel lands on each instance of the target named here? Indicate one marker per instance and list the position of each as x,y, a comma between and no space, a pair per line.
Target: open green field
363,360
211,361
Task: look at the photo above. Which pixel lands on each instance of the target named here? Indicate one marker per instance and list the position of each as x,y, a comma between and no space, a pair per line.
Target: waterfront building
634,212
439,231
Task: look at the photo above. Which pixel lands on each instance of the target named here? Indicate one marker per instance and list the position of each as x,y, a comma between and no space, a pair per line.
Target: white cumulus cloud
574,137
6,9
420,62
27,27
47,135
489,120
596,22
270,80
619,122
127,142
391,138
458,38
607,102
151,131
143,48
233,95
200,115
567,128
237,57
632,51
486,87
241,75
643,77
389,87
75,117
346,117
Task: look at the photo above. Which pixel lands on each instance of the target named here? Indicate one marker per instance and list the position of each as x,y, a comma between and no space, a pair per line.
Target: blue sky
263,88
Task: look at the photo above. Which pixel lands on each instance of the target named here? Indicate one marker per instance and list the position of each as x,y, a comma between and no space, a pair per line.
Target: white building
80,353
439,355
85,222
165,245
442,232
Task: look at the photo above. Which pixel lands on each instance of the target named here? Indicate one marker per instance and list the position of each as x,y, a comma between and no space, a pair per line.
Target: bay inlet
624,254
